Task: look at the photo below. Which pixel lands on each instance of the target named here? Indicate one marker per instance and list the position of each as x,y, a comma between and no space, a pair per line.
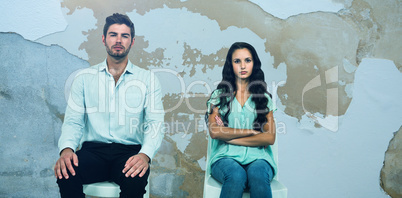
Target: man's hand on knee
64,163
136,165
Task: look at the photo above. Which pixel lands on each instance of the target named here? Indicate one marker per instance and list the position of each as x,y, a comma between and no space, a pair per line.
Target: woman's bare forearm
261,139
267,137
227,133
217,130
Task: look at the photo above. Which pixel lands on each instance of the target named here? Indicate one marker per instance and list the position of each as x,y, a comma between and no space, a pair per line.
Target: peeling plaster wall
32,106
333,67
391,172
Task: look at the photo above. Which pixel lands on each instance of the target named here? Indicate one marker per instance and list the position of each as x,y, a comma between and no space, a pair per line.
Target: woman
241,125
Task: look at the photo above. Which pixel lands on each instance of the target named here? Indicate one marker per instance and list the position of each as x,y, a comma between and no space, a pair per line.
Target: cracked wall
330,47
391,172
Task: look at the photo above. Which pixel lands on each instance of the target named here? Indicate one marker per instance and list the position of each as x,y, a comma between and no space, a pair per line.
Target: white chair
106,189
212,188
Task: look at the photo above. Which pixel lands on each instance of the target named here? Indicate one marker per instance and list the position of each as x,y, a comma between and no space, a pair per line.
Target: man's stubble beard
117,55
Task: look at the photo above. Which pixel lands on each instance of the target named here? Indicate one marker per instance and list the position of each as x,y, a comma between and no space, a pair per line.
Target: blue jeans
235,177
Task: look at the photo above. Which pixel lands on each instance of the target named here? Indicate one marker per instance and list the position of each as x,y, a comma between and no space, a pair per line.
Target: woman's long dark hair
257,86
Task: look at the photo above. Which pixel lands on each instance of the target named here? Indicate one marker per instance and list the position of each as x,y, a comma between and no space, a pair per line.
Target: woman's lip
243,72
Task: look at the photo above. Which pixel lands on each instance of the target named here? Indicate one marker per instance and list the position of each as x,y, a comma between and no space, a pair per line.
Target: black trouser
103,162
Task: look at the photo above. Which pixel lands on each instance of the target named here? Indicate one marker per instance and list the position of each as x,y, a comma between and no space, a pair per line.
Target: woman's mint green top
239,118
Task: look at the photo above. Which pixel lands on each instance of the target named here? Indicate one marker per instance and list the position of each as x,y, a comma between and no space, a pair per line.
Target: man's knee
133,186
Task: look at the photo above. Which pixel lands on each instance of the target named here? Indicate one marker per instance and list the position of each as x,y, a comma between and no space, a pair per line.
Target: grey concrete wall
32,105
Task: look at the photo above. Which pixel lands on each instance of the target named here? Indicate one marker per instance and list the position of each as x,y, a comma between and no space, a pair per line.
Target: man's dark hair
117,18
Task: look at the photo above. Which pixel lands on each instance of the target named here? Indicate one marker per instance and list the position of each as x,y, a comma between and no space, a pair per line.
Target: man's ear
103,40
132,42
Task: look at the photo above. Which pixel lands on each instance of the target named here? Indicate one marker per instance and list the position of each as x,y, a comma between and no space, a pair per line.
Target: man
115,115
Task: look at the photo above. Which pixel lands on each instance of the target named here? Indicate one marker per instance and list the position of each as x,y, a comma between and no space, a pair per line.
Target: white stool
106,189
212,189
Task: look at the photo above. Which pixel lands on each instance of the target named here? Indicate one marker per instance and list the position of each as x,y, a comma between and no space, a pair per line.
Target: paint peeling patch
74,34
349,90
391,172
182,140
286,9
316,90
348,67
203,163
360,15
194,57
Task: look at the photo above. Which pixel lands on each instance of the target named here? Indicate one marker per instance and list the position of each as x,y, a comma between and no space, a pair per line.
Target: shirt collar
129,68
